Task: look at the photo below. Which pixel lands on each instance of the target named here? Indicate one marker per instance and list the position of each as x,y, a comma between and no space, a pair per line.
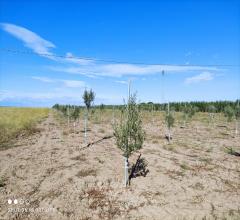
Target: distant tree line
217,106
66,108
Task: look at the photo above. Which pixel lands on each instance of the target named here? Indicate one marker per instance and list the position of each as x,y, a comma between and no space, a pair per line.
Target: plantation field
59,174
18,121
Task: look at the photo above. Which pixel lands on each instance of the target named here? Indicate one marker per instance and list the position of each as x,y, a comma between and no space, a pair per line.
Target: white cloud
63,96
30,39
93,68
43,79
41,96
204,76
119,70
66,83
6,95
121,81
40,45
72,59
74,83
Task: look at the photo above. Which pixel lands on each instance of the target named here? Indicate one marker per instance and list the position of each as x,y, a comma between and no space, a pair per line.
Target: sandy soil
54,176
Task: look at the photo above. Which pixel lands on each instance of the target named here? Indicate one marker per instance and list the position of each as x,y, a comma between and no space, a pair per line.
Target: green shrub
128,132
229,113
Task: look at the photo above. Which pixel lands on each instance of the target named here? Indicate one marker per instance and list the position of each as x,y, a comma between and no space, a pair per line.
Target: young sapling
128,132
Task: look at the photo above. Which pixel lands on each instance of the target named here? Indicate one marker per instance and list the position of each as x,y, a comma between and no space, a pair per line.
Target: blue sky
198,34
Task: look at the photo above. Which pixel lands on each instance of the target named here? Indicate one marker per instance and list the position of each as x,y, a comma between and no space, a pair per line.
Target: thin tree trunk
126,150
236,128
113,116
85,126
169,135
68,116
168,125
126,170
152,114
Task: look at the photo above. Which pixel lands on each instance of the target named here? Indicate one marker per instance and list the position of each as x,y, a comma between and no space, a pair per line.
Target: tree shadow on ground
138,169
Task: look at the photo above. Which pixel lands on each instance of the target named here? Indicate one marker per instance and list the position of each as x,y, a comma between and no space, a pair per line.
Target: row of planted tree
213,107
217,106
128,129
230,109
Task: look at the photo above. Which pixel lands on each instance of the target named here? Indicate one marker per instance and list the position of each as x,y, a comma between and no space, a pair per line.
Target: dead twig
96,142
233,152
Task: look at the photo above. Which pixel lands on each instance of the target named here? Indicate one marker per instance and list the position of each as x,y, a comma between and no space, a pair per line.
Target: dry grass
170,147
184,166
87,172
80,158
19,121
101,130
99,200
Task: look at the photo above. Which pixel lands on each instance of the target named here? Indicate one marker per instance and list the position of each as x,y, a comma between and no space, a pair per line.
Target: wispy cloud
29,38
74,83
40,45
121,81
66,83
4,95
72,59
204,76
94,68
43,79
119,70
51,98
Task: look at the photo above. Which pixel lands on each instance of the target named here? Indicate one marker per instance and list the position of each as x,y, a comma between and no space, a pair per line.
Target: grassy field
19,121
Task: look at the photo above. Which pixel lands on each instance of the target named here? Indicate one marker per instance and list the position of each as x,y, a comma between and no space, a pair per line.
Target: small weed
231,151
99,199
185,166
231,212
101,130
224,134
197,199
79,157
170,147
150,151
174,174
212,209
206,160
65,132
179,173
70,179
98,196
209,150
89,172
198,186
2,182
99,160
71,130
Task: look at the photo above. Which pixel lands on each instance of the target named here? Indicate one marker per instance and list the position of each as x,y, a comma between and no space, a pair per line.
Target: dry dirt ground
54,176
